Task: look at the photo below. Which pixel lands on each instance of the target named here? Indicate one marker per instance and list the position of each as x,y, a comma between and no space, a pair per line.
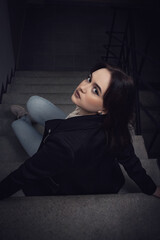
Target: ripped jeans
40,110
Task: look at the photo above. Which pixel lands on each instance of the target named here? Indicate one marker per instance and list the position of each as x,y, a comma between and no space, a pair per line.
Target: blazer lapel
74,123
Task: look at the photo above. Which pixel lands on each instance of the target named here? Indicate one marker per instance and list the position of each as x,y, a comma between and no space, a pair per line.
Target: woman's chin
73,98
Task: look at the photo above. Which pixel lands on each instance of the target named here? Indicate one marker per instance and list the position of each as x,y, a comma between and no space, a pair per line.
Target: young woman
79,153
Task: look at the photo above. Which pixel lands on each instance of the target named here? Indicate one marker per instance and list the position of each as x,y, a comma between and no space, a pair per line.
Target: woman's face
89,93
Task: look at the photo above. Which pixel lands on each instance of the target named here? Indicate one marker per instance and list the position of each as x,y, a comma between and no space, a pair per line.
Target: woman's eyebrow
98,87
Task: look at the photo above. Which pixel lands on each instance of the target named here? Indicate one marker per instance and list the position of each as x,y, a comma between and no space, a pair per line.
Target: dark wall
63,37
7,61
17,10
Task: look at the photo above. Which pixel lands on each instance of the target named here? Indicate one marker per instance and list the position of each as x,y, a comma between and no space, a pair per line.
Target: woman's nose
83,89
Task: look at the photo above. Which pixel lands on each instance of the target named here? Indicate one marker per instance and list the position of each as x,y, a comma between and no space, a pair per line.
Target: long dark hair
119,101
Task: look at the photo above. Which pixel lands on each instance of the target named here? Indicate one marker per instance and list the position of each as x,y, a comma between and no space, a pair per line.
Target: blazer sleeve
55,156
134,169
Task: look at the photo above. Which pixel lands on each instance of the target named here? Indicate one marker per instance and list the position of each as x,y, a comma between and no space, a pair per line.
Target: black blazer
74,158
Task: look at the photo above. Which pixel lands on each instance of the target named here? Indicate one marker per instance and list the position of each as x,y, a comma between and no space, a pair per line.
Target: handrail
111,30
8,81
156,124
134,74
127,60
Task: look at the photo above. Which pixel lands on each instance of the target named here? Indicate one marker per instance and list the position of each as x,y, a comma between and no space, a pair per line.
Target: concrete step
112,216
149,99
152,169
139,146
22,98
5,111
148,136
147,122
41,88
49,80
9,166
11,152
50,73
5,127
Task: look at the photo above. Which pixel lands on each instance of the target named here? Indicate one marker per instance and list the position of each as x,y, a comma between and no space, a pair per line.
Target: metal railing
127,60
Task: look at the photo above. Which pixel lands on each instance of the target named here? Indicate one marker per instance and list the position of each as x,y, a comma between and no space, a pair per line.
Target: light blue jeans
40,110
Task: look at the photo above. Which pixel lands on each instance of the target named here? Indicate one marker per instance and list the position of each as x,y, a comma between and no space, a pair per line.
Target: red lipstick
77,94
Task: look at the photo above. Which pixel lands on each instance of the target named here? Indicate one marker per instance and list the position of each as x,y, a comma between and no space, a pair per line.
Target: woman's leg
29,138
40,111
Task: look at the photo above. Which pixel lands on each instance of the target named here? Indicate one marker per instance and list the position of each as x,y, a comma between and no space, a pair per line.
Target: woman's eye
95,90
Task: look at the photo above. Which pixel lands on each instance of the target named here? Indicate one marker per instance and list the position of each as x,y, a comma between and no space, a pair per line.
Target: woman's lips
77,94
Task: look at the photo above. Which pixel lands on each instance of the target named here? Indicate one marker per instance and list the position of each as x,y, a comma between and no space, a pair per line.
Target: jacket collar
75,123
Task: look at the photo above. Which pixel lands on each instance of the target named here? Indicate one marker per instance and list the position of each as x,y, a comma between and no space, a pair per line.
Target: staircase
127,215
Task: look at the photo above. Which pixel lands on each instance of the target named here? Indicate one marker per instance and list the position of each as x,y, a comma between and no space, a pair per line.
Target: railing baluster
110,33
127,60
134,75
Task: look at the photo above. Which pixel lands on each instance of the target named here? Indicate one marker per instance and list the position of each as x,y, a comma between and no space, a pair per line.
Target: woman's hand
157,192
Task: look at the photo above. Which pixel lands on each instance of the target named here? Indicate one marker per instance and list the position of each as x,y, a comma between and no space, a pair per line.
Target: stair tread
152,169
49,73
21,98
11,150
55,80
148,99
42,88
139,146
64,217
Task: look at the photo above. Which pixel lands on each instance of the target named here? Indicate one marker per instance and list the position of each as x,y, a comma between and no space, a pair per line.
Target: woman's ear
102,112
99,112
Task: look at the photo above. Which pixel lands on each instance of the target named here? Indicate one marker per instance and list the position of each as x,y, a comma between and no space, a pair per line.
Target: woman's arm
54,156
134,169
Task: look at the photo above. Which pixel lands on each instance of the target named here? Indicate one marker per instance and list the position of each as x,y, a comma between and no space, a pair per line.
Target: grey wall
7,61
17,10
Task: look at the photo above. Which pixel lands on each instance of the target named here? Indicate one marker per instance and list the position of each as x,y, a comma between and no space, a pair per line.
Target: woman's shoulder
75,123
77,131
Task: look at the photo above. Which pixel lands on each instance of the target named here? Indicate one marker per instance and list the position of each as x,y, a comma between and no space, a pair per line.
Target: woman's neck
82,112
